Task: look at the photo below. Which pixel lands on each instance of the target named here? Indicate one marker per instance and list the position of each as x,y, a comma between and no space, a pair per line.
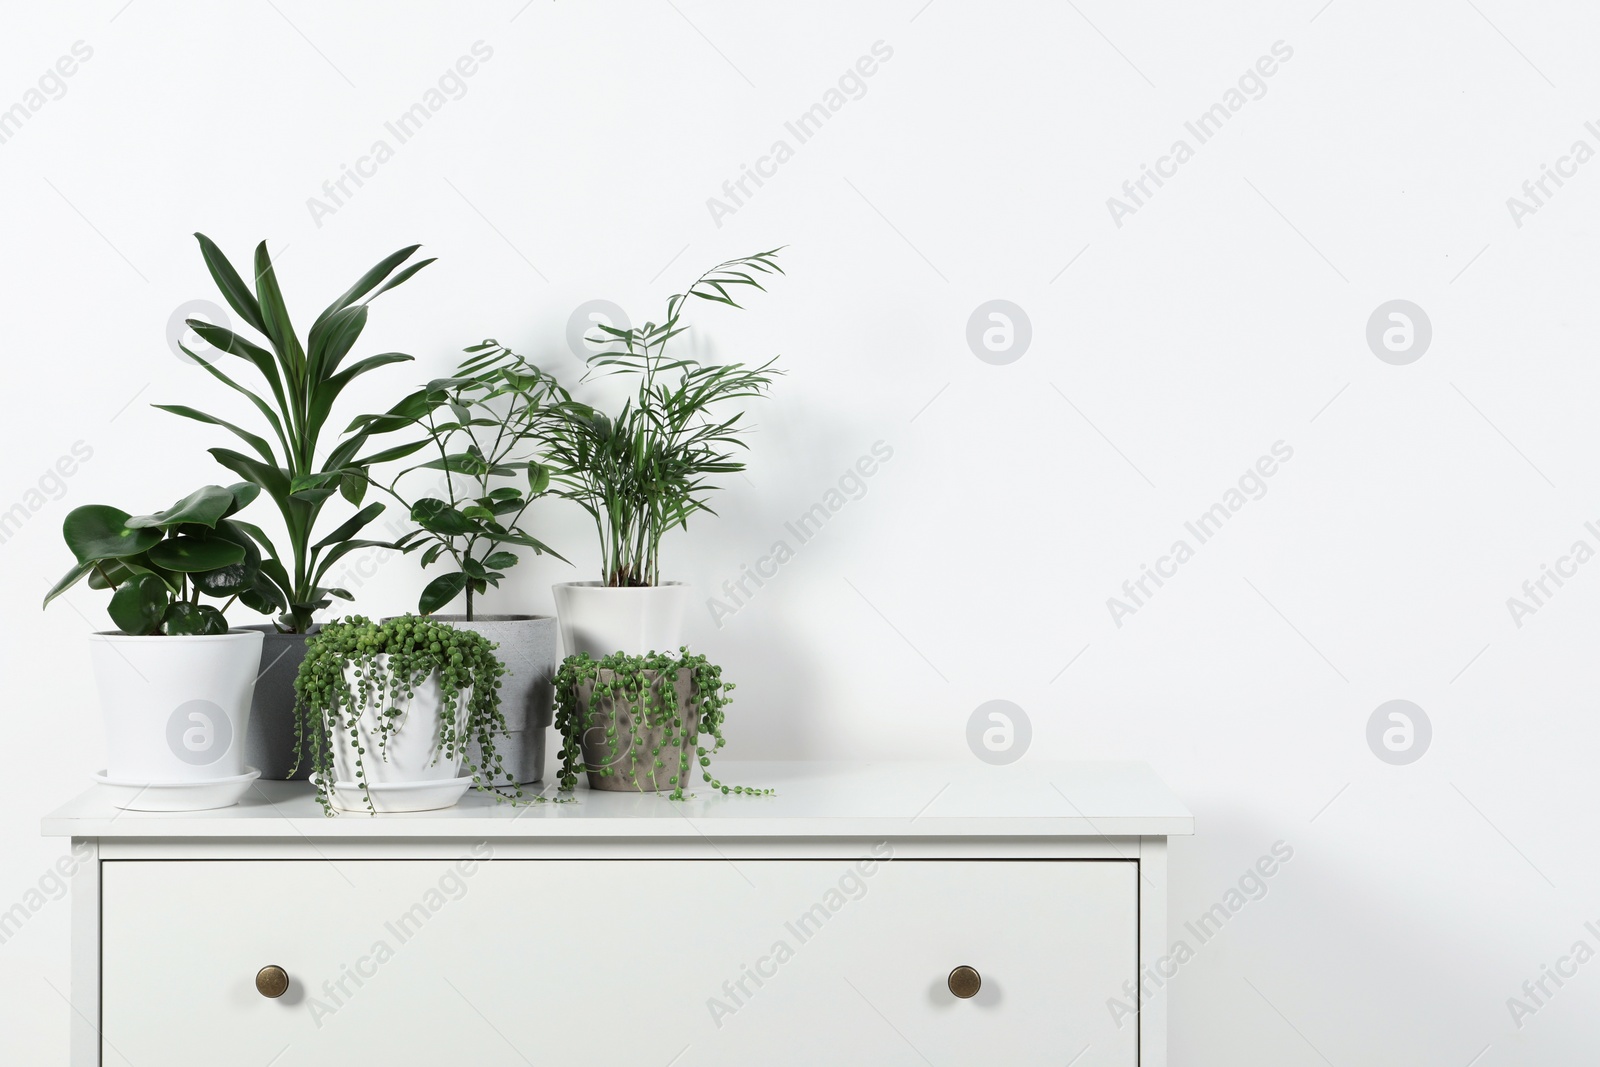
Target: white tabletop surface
889,799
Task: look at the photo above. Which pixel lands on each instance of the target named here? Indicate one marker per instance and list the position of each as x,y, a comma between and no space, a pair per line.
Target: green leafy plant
387,662
644,685
649,469
159,565
303,380
485,424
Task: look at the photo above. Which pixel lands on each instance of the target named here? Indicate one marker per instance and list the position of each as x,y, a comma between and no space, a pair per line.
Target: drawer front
681,962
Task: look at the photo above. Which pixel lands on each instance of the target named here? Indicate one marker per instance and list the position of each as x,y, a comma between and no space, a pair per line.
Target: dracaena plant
484,423
159,565
654,465
302,380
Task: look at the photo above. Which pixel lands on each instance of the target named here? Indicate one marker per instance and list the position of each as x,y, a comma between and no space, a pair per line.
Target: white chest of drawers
821,926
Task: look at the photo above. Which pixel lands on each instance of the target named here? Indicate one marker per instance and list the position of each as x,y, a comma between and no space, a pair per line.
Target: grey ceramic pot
528,650
631,765
269,741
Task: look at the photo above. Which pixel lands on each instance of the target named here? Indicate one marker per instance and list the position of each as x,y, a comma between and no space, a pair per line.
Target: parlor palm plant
655,464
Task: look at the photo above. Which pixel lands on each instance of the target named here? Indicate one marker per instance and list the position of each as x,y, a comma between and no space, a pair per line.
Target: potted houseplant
300,381
634,723
386,710
650,468
175,682
480,429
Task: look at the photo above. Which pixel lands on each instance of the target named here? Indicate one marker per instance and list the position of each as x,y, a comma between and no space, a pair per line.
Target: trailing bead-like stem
356,664
620,680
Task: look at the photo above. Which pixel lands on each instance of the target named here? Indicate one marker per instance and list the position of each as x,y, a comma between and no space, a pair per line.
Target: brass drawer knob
965,982
273,981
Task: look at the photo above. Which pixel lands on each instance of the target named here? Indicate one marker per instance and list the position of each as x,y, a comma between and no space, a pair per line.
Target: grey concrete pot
528,650
631,765
269,741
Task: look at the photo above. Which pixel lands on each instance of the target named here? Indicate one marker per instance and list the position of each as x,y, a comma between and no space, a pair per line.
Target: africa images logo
199,732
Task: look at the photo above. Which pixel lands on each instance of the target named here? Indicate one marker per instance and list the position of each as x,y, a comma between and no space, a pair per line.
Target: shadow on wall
763,550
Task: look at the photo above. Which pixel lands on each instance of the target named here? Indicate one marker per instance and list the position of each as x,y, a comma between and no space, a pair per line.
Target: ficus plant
356,664
481,428
300,382
643,733
159,565
655,464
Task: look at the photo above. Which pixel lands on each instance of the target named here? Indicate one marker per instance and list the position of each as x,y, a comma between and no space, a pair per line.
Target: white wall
1226,314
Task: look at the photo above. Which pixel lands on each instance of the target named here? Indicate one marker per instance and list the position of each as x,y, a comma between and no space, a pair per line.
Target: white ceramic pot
601,619
414,751
177,709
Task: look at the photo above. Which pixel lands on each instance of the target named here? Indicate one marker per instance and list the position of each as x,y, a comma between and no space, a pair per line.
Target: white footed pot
177,709
399,769
601,619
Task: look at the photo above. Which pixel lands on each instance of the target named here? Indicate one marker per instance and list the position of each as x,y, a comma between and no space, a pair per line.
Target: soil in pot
626,751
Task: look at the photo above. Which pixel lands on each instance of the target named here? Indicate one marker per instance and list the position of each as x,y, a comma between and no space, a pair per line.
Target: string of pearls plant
390,660
656,729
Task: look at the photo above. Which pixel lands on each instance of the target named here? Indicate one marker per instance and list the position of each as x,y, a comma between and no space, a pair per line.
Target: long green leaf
234,290
350,527
343,549
253,440
342,454
226,340
399,279
337,336
397,452
328,390
365,284
275,317
275,480
260,405
274,570
257,534
68,580
407,410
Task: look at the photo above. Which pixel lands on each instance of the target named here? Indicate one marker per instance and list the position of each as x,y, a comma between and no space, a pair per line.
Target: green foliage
484,423
157,566
582,682
390,660
302,381
651,467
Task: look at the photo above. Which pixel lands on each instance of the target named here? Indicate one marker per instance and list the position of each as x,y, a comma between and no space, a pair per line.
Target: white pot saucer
390,798
202,795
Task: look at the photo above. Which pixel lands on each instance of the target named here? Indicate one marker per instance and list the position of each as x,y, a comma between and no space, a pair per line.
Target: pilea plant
658,729
159,565
386,663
